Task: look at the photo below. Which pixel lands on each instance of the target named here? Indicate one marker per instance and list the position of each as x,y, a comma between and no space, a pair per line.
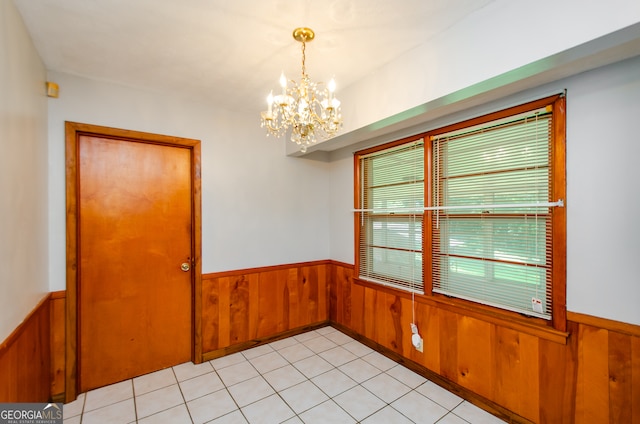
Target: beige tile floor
321,376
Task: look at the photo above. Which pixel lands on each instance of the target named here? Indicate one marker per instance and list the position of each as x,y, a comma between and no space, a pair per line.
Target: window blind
391,216
495,255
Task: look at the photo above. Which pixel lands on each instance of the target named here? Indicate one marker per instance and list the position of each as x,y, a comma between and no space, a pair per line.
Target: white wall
342,202
503,36
262,208
259,207
603,187
23,173
603,192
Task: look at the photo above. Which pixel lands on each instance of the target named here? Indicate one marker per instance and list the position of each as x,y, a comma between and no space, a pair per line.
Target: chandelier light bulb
307,108
270,103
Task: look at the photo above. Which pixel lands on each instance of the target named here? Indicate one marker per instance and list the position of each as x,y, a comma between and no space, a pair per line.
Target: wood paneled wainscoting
240,309
25,358
244,308
589,375
58,309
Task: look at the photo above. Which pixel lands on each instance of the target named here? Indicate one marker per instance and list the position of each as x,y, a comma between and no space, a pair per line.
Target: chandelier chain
304,68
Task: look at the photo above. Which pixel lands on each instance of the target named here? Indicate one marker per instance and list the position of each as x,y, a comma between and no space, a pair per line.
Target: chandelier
308,108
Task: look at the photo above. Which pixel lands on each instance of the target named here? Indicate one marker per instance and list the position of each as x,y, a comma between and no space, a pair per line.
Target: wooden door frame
73,131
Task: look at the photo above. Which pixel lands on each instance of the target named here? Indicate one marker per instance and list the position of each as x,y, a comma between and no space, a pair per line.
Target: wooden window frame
558,322
418,288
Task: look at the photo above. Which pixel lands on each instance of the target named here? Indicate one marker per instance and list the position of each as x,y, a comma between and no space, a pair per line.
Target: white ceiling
230,51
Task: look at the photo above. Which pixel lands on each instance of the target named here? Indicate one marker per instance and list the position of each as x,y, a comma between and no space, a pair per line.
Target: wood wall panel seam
449,385
465,308
559,365
242,306
591,378
57,372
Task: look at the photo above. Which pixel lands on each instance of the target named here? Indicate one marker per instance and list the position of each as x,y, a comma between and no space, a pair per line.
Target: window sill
532,326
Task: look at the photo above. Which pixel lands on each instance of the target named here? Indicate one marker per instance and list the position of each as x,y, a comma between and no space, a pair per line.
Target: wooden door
135,258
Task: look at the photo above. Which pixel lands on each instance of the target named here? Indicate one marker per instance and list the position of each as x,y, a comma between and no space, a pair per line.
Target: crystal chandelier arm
307,108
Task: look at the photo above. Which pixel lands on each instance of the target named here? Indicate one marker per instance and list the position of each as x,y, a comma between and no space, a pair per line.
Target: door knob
185,266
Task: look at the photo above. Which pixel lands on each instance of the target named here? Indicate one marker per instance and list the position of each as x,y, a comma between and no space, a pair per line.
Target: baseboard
208,356
58,398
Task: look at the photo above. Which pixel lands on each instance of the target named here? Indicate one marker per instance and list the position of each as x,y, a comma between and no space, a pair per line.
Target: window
491,228
391,217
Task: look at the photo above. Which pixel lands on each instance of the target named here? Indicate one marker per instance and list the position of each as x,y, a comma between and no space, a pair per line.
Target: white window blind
500,254
391,216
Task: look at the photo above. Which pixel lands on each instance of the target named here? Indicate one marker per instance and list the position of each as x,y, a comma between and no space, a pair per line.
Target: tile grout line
331,398
316,355
184,400
226,388
310,380
84,402
307,379
277,392
361,384
135,402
